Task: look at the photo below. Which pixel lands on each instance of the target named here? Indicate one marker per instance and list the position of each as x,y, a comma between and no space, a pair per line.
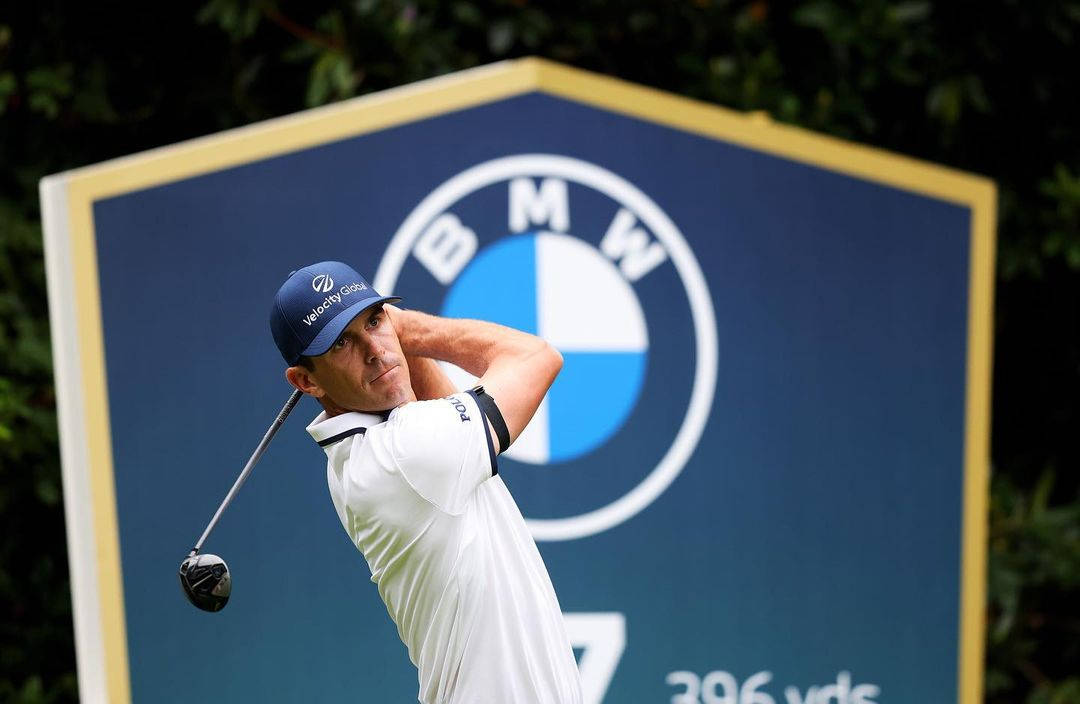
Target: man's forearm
470,344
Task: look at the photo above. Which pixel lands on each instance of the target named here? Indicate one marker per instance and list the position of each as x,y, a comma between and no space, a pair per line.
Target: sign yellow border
81,188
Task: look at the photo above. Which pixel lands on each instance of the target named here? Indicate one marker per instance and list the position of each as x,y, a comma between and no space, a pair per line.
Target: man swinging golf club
413,474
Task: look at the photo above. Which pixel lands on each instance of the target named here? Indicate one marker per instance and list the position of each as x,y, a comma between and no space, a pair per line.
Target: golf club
205,578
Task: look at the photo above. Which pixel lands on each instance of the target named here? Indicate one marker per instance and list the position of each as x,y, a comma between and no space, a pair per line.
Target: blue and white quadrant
564,290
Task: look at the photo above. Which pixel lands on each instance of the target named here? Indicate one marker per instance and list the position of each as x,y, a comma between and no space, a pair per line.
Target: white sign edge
74,452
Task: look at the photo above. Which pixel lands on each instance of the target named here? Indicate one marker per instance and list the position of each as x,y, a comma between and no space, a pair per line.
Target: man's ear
302,379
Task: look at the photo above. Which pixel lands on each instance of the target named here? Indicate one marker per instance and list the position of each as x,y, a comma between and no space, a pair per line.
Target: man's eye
340,343
374,320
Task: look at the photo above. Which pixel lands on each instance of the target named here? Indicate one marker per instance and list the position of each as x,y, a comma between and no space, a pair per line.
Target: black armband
487,405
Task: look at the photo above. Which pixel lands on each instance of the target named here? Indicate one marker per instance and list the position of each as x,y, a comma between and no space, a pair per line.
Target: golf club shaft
271,431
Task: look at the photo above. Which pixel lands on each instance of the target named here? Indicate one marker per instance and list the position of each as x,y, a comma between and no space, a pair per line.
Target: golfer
413,473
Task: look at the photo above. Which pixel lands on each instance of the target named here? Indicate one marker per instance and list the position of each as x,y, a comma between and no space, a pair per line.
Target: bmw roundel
564,249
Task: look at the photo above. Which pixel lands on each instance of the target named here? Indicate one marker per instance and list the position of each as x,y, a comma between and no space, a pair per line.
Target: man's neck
332,409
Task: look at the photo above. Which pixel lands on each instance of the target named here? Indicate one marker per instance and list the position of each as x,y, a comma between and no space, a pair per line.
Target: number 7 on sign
602,638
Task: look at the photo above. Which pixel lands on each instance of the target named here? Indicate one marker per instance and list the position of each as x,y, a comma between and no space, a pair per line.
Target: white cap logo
322,283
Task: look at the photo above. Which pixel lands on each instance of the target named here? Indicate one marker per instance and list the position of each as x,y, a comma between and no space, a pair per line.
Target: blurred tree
983,87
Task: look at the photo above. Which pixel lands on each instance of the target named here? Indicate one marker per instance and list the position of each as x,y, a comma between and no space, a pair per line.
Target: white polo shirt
419,495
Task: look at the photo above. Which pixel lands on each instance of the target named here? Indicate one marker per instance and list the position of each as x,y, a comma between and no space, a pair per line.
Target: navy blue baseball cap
314,306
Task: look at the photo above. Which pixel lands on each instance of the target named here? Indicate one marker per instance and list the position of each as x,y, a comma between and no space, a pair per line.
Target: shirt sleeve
443,449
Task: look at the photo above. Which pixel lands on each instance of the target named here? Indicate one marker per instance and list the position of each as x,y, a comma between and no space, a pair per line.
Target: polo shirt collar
326,429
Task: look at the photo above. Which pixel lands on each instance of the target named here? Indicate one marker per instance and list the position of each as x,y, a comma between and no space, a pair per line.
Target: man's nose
374,351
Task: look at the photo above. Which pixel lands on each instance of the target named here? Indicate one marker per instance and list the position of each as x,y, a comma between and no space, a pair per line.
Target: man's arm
428,378
515,368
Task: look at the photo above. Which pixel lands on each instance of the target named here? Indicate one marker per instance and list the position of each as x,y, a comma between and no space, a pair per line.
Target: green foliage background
987,87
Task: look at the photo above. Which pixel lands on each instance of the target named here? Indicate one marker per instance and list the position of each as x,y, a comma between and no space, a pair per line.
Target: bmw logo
574,253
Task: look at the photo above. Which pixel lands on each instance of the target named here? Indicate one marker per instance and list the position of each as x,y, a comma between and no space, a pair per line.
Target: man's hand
515,368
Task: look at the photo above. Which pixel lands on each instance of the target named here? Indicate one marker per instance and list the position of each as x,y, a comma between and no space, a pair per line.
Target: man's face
365,369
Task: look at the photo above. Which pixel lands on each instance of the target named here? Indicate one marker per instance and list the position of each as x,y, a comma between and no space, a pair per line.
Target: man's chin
404,396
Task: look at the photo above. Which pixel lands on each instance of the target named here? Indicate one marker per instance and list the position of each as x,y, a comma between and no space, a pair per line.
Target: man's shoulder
434,433
456,408
438,448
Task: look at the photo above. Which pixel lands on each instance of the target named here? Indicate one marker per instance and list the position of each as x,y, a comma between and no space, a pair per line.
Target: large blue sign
757,479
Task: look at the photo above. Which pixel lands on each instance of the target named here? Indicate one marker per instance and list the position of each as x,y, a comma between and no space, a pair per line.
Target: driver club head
206,581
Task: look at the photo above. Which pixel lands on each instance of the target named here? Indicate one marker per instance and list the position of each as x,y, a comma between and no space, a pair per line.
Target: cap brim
326,337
